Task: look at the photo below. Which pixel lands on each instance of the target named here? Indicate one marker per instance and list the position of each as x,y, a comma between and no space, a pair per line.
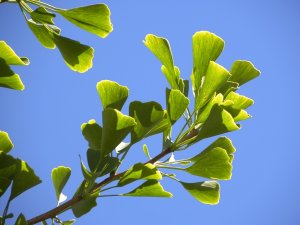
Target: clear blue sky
44,120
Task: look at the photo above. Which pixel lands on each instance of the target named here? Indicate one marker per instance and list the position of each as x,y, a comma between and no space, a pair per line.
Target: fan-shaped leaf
176,104
60,176
5,143
243,71
92,132
41,15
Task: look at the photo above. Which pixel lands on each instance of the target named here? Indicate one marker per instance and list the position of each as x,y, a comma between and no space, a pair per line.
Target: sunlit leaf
77,56
140,172
213,163
5,143
207,192
161,49
112,94
24,179
243,71
68,222
85,205
60,175
151,188
146,151
10,57
239,101
21,220
41,15
86,174
150,119
116,127
92,132
221,142
206,47
219,122
214,79
44,36
92,18
176,104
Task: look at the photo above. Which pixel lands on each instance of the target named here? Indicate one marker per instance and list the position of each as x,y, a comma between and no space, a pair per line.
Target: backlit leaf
243,71
60,175
206,47
4,184
214,79
92,18
24,179
77,56
85,205
161,49
116,127
207,192
140,172
21,220
5,143
176,104
10,57
112,94
150,119
151,188
92,132
219,122
213,163
41,15
8,78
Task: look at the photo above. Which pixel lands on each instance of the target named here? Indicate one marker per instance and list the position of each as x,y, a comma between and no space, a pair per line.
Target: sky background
44,120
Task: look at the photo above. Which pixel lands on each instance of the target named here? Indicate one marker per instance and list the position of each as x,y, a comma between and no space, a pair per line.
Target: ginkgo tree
214,108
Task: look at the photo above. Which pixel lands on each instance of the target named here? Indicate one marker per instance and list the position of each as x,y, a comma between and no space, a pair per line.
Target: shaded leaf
60,176
219,122
68,222
116,127
21,220
24,179
5,143
140,172
41,15
85,205
77,56
206,47
176,104
112,94
214,79
150,119
4,184
207,192
243,71
86,174
213,163
151,188
8,166
92,132
228,87
92,18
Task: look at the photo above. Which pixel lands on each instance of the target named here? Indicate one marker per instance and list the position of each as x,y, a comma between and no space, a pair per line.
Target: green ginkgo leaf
112,94
213,163
10,57
86,204
24,179
5,143
77,56
140,172
207,192
150,118
92,18
92,132
116,126
60,176
219,122
214,79
243,71
221,142
41,15
160,47
177,103
21,220
206,47
151,188
44,36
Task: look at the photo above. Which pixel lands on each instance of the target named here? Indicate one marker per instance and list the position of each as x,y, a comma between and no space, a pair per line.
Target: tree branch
59,209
